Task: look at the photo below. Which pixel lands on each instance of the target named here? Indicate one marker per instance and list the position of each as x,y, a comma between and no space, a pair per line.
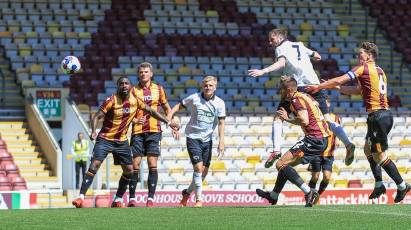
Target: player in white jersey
207,111
295,60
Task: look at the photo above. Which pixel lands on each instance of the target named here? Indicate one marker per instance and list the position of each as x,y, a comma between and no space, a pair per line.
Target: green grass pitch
256,218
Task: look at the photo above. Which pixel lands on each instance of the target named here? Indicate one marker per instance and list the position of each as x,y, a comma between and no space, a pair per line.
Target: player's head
289,85
123,86
209,86
368,52
80,136
145,72
276,36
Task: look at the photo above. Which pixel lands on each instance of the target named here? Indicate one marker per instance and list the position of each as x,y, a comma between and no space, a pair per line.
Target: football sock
312,184
293,176
376,170
122,184
87,181
339,132
274,195
378,184
392,171
191,186
133,183
198,185
280,182
152,181
277,135
323,186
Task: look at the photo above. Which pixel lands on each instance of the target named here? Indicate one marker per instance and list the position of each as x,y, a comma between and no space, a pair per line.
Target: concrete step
28,162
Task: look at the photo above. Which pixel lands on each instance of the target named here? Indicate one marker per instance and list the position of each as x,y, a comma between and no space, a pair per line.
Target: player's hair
209,78
121,78
278,32
370,48
145,65
288,81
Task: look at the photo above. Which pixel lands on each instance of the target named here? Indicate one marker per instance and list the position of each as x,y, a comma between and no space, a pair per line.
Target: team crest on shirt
126,110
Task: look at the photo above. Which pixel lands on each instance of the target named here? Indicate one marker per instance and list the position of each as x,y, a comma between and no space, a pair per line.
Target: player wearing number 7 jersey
373,87
294,60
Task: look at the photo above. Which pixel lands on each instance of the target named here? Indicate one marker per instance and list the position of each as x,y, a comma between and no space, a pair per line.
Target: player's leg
379,187
152,178
194,148
83,168
327,168
315,169
100,151
277,135
132,202
137,149
77,168
381,122
272,196
122,156
152,143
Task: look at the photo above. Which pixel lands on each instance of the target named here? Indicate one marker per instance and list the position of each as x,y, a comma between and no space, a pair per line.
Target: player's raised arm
330,84
350,90
279,64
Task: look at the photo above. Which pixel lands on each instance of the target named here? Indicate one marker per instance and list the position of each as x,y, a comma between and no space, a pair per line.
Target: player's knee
198,167
315,176
91,172
327,178
95,165
279,165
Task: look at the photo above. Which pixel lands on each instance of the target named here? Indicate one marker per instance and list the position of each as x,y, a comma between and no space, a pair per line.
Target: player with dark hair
372,85
117,112
294,59
309,117
146,135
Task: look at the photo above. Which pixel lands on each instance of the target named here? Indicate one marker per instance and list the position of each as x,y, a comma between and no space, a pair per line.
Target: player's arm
174,110
221,145
280,63
94,121
350,90
301,118
330,84
160,117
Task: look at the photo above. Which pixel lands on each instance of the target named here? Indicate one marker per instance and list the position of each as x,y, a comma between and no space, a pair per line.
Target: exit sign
49,103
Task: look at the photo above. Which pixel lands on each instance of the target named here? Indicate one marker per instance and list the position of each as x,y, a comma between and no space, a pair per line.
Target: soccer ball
70,65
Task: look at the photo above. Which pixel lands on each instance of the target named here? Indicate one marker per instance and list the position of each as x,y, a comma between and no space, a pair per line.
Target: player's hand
93,135
175,134
174,125
141,120
312,88
220,151
255,72
282,113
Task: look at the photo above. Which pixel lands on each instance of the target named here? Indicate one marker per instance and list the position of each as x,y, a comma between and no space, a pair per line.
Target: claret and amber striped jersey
373,82
155,97
118,116
329,151
317,125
